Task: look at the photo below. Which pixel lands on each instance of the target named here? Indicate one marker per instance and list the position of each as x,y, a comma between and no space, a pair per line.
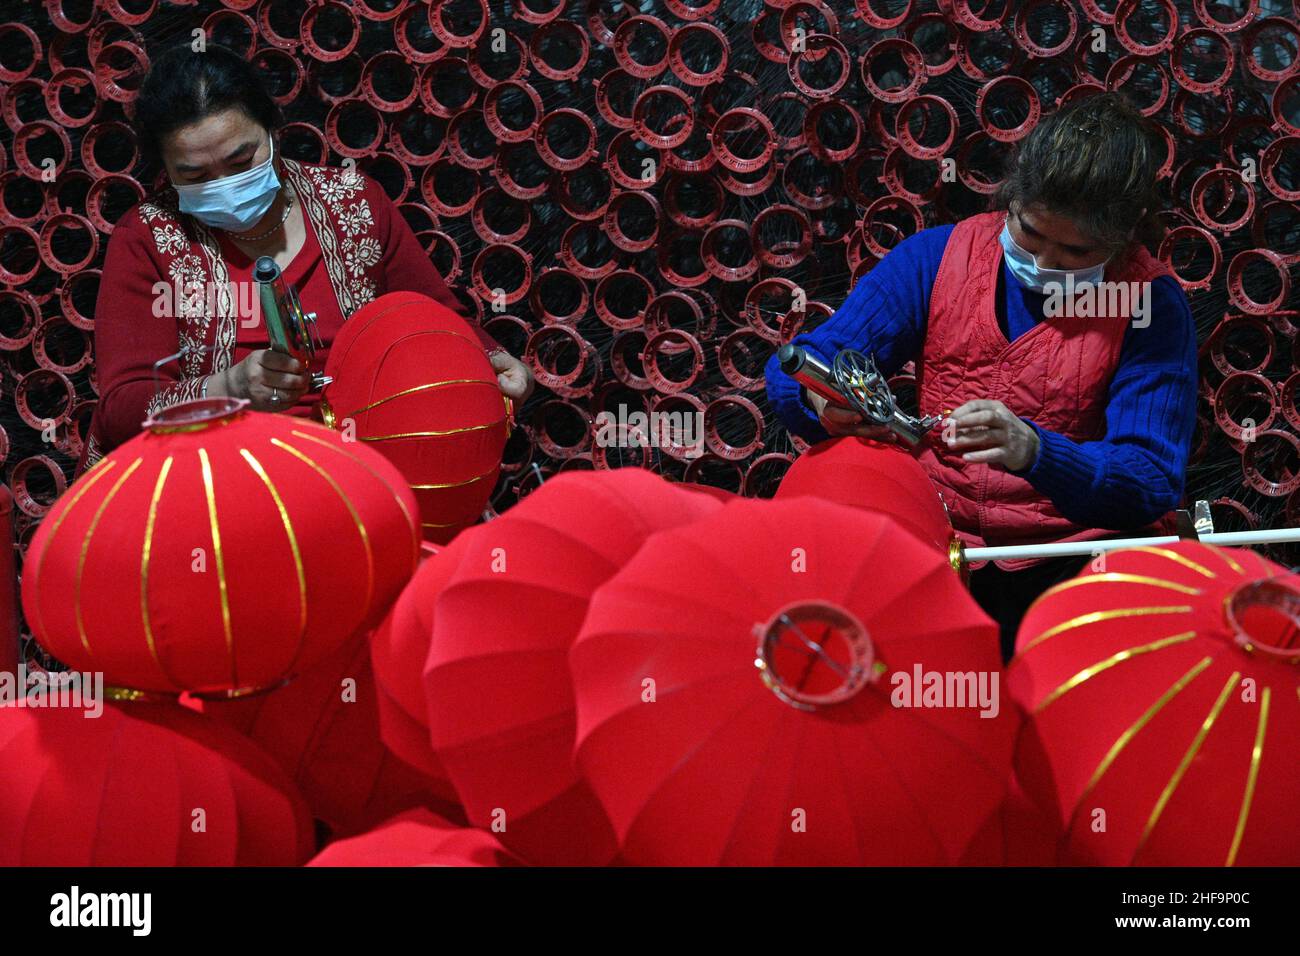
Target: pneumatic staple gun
291,330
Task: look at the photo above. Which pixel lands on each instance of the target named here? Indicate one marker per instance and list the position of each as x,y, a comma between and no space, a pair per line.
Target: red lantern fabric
417,838
322,728
1017,833
1161,690
221,550
500,702
398,649
413,382
702,757
142,785
870,474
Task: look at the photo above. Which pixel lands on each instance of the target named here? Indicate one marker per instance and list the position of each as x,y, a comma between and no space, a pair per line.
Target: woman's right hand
841,420
270,380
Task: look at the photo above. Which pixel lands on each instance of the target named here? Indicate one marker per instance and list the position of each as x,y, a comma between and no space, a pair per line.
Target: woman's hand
271,381
514,377
840,420
990,432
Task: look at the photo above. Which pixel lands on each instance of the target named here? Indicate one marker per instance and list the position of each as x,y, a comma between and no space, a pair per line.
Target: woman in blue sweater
1061,354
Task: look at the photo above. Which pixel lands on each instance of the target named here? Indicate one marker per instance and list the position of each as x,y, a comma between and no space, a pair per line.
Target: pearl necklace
288,207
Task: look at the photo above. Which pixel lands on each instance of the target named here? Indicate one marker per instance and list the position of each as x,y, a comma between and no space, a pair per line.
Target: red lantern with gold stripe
1162,689
411,380
142,784
221,551
871,474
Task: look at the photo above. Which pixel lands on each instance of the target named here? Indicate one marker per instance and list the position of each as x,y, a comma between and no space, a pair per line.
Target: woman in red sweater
177,277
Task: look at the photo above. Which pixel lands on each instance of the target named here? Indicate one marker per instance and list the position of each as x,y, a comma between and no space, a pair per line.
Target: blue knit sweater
1128,478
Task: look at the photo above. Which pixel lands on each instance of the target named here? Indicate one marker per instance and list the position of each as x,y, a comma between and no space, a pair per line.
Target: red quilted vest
1056,375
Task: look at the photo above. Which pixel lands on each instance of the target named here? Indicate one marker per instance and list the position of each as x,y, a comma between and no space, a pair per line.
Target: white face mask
1031,275
233,203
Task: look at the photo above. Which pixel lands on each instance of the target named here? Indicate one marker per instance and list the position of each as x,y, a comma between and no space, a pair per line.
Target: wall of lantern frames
644,200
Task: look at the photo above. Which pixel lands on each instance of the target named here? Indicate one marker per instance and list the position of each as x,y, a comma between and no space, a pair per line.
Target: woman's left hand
987,431
514,377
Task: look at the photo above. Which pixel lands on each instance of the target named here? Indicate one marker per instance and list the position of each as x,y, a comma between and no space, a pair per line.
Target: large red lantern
871,474
417,838
221,550
142,785
1161,691
500,704
323,729
411,380
791,682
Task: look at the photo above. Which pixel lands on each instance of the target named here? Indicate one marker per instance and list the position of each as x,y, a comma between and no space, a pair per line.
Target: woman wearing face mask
177,276
1059,422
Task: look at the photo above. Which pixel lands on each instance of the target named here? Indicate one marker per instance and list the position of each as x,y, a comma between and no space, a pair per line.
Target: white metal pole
1066,548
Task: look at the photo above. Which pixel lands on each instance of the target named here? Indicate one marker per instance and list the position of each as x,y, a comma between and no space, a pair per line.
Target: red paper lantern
412,380
323,729
870,474
221,550
500,703
741,685
1161,692
417,838
142,785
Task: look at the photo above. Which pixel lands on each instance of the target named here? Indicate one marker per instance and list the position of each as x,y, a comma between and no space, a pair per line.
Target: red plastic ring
492,114
34,379
623,42
713,436
23,497
1250,464
677,61
486,293
551,276
650,360
736,118
684,121
913,59
1236,281
550,30
1015,133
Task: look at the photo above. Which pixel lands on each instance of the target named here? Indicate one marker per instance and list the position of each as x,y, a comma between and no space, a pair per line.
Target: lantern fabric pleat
322,728
500,702
417,838
142,785
706,765
398,649
1158,730
412,381
224,557
870,474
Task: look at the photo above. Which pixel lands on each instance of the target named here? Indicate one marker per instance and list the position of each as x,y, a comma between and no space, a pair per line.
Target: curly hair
1093,161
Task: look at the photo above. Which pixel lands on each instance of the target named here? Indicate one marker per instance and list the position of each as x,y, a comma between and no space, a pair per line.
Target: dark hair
183,86
1093,161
